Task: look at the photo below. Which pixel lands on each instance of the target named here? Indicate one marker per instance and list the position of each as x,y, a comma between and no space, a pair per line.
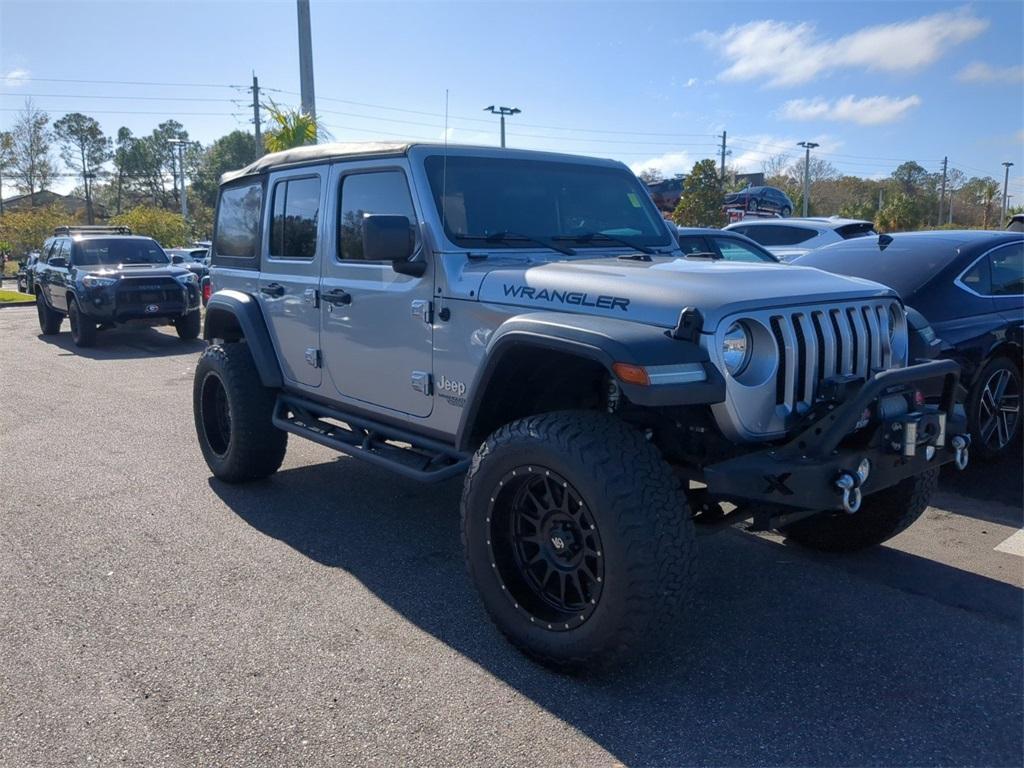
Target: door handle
274,289
337,296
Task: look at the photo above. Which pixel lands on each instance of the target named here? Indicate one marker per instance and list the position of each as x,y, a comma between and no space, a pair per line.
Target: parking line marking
1014,545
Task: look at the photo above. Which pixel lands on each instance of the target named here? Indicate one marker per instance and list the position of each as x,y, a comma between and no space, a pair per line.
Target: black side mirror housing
389,237
176,259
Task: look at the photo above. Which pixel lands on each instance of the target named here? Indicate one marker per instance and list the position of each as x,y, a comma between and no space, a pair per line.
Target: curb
26,303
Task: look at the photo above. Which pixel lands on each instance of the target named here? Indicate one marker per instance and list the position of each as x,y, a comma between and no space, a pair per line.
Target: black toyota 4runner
104,276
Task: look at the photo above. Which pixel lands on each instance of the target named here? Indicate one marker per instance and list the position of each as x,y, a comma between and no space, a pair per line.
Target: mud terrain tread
257,447
651,520
882,516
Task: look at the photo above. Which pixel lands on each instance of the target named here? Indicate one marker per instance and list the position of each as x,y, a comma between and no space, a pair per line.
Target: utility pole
808,146
723,155
87,177
306,60
879,199
1006,181
180,144
942,193
502,111
256,113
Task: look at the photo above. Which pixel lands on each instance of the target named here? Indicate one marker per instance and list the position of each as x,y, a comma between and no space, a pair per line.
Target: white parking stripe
1014,545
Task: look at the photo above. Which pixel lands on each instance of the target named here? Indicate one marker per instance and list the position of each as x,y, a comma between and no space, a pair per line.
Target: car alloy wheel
999,409
546,548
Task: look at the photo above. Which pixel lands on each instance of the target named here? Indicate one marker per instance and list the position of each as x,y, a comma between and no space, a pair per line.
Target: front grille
150,291
849,340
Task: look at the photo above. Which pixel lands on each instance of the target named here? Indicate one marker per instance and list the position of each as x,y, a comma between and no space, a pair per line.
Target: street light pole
306,59
503,111
808,146
1006,181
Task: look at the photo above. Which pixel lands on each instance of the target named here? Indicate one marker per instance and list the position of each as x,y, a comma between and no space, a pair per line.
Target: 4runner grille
795,350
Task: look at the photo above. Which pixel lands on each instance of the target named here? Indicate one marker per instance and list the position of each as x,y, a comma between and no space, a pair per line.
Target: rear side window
369,193
1007,270
733,249
296,214
693,244
773,234
238,222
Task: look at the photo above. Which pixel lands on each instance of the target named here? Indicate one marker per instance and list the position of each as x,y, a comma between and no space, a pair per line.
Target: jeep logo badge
151,308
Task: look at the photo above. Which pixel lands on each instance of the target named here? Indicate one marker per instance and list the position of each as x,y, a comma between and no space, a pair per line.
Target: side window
1007,270
47,251
770,234
367,193
296,213
238,222
977,278
736,250
692,244
65,251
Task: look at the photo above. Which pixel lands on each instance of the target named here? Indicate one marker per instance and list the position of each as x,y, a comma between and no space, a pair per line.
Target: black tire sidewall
188,326
83,330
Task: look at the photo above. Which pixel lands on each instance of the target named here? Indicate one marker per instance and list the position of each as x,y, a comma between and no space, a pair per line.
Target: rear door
290,270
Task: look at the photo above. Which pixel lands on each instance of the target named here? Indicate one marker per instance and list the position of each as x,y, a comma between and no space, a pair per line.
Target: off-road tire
881,516
188,327
247,446
83,328
979,448
642,519
50,320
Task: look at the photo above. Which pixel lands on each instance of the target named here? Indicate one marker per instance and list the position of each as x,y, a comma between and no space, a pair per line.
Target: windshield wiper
507,237
589,237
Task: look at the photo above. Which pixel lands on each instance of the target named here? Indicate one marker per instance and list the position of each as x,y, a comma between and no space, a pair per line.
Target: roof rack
97,229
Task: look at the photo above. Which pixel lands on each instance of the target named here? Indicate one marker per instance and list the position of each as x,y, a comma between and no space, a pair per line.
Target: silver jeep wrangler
528,321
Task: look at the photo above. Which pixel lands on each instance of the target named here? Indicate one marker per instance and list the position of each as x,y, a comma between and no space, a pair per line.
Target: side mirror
58,262
176,259
387,237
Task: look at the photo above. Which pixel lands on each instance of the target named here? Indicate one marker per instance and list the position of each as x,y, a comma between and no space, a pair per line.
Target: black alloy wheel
997,409
546,548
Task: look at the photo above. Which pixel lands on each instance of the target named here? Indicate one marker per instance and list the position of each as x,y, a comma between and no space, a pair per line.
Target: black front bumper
122,303
802,473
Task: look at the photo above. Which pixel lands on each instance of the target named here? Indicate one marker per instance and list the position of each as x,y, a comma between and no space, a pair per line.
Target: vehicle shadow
985,481
123,343
784,658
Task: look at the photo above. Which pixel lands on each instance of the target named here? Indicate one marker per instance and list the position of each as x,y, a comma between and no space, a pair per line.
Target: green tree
292,128
700,205
899,213
6,160
25,230
33,166
122,162
167,228
228,153
84,149
989,192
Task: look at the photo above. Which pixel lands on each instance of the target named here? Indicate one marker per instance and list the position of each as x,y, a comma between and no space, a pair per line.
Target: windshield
507,202
94,251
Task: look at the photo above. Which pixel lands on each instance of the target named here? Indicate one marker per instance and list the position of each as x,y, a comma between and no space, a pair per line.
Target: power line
123,98
133,112
123,82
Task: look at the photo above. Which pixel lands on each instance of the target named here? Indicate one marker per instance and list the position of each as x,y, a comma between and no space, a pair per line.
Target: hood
133,270
655,292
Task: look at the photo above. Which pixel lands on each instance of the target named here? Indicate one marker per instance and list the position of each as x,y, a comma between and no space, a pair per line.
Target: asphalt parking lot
154,616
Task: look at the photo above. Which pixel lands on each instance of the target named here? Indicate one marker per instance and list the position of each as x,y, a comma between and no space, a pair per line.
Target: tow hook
961,445
849,483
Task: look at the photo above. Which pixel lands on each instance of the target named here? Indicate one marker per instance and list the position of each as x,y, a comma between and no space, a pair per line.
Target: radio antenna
444,169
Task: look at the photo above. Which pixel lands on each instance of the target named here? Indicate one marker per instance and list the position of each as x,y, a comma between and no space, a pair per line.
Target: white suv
794,237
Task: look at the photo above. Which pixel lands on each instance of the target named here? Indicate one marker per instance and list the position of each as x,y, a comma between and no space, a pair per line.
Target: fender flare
605,341
247,313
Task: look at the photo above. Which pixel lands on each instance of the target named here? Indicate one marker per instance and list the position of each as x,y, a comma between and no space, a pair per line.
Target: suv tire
83,329
993,430
50,320
233,413
188,327
881,516
576,536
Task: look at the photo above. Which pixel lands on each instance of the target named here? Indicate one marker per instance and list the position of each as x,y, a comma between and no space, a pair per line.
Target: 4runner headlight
95,281
736,349
188,279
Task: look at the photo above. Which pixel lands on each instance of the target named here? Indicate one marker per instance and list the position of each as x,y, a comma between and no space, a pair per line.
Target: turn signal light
631,374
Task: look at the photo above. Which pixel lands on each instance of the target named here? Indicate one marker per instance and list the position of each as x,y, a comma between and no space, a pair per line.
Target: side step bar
412,456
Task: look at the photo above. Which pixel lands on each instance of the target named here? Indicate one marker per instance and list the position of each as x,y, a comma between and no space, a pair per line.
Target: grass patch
8,296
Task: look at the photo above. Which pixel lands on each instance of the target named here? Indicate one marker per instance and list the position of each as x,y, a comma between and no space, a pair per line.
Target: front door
377,331
57,278
290,271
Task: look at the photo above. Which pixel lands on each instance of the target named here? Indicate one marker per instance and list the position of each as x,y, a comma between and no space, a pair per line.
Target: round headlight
736,349
894,321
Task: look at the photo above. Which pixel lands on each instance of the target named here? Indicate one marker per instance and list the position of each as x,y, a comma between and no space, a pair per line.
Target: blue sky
648,83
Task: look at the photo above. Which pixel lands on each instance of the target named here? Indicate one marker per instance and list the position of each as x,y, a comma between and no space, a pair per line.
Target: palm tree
989,191
293,128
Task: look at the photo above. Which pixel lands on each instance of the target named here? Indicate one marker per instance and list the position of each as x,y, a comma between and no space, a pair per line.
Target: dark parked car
760,199
25,276
970,286
697,242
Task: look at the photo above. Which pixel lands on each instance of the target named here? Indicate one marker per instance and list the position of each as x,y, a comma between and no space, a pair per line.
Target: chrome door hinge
313,356
311,296
421,382
424,310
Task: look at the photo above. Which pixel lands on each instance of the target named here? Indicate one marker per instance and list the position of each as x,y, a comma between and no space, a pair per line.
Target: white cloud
668,164
782,53
690,83
980,72
871,110
748,153
16,77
